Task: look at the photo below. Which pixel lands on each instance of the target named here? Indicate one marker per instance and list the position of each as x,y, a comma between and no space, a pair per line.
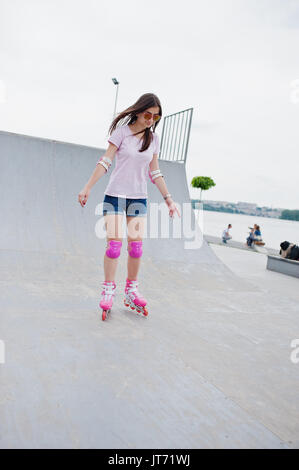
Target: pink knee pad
135,249
113,249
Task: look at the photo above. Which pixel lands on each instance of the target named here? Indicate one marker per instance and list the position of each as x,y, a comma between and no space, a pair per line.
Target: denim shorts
119,205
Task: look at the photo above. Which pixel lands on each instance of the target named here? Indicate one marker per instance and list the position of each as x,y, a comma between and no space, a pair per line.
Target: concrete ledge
282,265
242,246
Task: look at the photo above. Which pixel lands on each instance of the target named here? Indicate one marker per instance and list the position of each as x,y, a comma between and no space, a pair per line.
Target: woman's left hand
172,208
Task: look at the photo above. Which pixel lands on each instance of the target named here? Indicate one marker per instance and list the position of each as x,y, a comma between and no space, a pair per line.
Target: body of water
274,231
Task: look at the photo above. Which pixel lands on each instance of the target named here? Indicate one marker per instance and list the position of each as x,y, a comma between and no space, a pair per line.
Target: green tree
290,214
202,182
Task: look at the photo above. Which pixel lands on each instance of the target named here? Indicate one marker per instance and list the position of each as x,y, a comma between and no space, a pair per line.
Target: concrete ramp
42,213
173,380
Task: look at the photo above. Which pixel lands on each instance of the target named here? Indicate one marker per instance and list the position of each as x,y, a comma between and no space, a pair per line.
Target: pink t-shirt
129,176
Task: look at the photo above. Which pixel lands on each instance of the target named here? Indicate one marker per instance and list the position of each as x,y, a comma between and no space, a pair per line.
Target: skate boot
107,297
133,299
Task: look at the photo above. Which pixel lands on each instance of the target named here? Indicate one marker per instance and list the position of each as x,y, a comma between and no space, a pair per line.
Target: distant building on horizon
246,208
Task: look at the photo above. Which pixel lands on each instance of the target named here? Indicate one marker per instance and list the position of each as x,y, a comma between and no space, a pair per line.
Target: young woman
135,146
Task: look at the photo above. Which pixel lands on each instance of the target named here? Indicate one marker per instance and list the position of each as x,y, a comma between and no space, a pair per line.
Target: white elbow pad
155,174
105,162
107,159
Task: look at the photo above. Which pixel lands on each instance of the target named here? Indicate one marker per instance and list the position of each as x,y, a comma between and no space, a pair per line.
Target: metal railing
175,136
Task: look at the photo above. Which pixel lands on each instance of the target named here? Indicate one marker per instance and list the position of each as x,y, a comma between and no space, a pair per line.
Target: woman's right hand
83,196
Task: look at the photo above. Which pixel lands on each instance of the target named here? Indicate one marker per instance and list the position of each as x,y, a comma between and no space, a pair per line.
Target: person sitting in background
250,238
257,234
254,235
226,235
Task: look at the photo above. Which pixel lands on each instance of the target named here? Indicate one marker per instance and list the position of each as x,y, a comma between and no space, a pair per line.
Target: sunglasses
147,116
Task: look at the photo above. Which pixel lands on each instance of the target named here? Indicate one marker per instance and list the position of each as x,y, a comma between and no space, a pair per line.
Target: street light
115,83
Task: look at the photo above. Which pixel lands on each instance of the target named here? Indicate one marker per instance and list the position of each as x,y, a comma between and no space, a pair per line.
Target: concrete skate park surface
208,368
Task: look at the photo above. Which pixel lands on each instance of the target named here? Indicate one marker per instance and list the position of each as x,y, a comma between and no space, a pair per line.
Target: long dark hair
129,116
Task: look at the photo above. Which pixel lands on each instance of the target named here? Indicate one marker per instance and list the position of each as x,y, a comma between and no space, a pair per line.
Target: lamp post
115,83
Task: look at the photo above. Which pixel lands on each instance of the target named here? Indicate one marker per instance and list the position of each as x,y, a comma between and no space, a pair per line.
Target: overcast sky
236,62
